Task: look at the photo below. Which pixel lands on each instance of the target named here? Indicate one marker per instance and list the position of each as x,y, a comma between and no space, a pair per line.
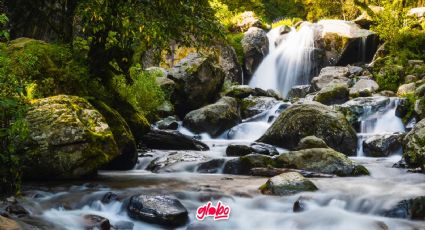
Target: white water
288,64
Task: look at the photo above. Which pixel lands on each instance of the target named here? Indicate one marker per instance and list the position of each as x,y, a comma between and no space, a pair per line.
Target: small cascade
289,63
383,121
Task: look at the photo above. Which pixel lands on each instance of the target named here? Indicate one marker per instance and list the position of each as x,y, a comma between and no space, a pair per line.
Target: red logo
219,212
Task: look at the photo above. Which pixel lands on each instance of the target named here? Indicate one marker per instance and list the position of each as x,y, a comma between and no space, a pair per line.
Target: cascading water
289,63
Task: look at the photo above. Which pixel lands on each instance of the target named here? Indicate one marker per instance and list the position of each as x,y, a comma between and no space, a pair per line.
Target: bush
389,76
143,93
235,41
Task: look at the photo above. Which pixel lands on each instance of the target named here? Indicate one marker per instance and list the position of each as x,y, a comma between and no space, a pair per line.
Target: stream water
340,203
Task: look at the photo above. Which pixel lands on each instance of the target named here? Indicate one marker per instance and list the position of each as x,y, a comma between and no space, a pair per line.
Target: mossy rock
414,146
68,139
123,137
335,93
287,184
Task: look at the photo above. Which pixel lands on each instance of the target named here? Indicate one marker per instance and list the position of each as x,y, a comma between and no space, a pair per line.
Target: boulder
355,108
406,89
211,166
336,93
244,164
255,46
311,142
199,79
419,108
68,139
299,91
312,119
321,160
382,145
345,42
95,222
214,119
169,122
364,88
331,74
172,140
229,63
159,210
240,91
243,150
123,137
287,184
252,106
414,146
171,161
412,209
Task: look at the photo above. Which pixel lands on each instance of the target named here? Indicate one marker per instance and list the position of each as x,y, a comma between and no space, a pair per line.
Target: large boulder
312,119
321,160
244,164
412,209
364,88
414,146
382,145
123,137
159,210
286,184
336,93
229,63
344,42
331,74
214,119
172,140
255,46
198,79
68,139
252,106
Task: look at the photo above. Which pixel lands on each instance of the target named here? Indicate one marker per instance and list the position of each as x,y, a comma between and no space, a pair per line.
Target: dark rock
255,47
94,222
199,80
400,164
287,184
109,197
402,108
244,164
413,209
123,225
300,205
264,149
200,226
168,162
299,91
172,140
382,145
214,119
312,119
252,106
15,210
212,166
243,150
159,210
229,63
311,142
169,122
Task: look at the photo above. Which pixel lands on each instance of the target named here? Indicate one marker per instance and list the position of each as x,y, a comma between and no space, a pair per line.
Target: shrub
235,41
143,93
390,76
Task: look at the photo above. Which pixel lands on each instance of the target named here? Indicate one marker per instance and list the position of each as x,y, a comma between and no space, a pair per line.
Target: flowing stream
340,203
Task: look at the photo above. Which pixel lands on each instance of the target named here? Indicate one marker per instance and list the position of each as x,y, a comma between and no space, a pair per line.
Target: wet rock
160,210
311,142
312,119
406,89
364,88
212,166
331,74
13,209
123,137
109,197
95,222
68,139
299,91
402,108
287,184
228,60
169,122
335,93
382,145
173,159
413,209
243,150
123,225
355,108
255,47
244,164
199,80
419,108
240,91
321,160
400,164
252,106
172,140
8,224
214,119
414,146
300,205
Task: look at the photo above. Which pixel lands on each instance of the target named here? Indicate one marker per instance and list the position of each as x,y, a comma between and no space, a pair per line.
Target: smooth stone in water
335,93
311,142
252,106
382,145
287,184
299,91
243,150
160,210
364,88
212,166
168,162
169,122
95,222
413,209
172,140
244,164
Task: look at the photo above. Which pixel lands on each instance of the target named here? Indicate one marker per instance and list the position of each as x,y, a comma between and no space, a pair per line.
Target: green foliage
411,100
235,41
286,22
4,33
143,93
389,76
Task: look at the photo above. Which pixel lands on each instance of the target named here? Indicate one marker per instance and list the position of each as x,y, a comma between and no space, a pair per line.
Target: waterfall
289,63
